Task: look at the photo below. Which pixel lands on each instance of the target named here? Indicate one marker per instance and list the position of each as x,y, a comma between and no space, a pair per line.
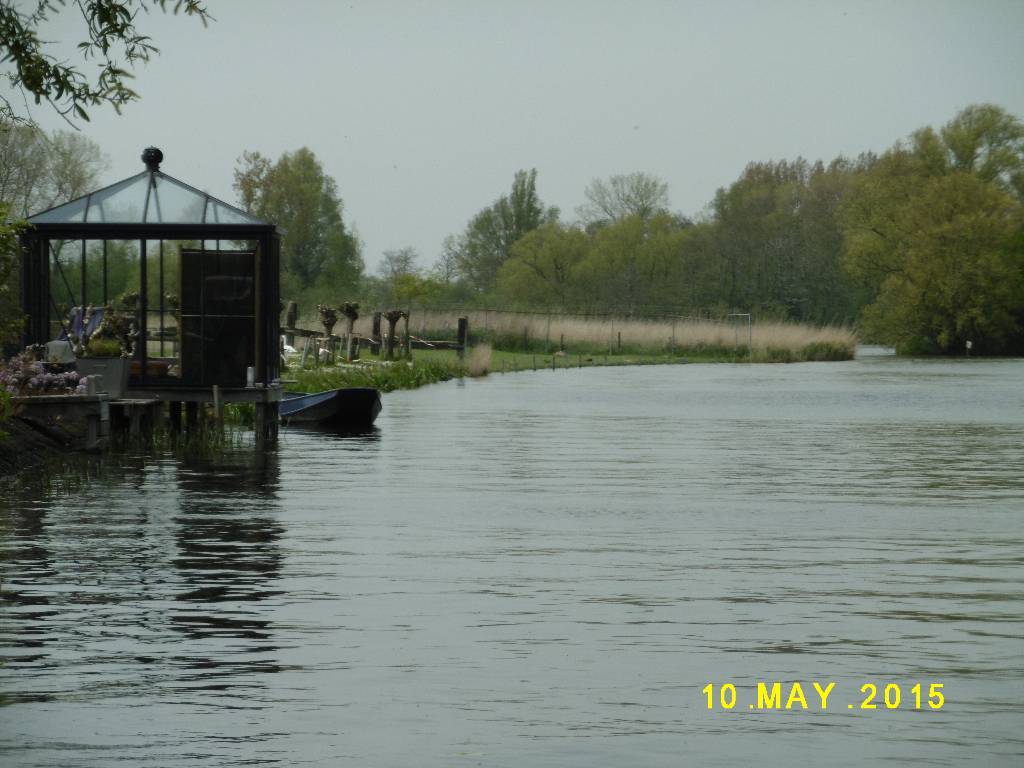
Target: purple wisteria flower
24,375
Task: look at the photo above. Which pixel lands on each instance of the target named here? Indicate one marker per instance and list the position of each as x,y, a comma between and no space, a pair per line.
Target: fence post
291,316
375,334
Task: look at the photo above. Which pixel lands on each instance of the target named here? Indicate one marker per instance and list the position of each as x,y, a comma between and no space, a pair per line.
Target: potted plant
104,348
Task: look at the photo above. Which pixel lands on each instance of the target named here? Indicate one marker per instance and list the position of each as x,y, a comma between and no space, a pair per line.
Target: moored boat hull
348,408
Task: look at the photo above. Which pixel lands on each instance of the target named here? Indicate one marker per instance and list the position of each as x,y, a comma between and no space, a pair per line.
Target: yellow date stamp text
773,695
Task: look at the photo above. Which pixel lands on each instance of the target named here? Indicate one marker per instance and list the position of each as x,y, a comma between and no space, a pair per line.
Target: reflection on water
543,569
227,560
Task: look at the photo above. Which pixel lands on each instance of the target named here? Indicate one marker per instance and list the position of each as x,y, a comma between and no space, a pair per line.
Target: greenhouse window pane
173,203
69,212
123,202
219,213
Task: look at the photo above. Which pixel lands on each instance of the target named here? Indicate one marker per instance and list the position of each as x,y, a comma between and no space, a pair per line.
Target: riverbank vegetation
497,345
920,246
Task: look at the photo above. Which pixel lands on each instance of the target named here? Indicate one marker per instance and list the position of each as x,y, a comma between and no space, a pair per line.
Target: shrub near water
386,377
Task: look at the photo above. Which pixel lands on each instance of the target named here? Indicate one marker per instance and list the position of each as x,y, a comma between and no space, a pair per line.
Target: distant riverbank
430,366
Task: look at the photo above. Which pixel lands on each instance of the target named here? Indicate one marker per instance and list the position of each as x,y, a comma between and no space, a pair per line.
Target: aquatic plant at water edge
385,377
6,409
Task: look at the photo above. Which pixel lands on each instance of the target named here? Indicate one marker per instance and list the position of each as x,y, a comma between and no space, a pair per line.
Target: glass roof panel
149,197
173,203
219,213
123,202
73,211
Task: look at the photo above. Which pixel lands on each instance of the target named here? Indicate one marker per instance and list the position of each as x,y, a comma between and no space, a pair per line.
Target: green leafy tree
988,141
779,240
934,231
960,271
10,309
297,195
634,266
540,269
485,245
109,38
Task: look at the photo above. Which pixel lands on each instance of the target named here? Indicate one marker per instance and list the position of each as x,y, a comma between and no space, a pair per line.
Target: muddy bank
29,443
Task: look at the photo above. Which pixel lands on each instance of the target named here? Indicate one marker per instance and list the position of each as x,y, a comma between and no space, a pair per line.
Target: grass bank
430,366
387,376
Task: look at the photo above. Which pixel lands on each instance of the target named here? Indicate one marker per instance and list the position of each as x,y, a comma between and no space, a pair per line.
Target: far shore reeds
725,339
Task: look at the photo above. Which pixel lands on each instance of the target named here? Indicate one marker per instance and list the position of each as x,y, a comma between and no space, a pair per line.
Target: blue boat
351,408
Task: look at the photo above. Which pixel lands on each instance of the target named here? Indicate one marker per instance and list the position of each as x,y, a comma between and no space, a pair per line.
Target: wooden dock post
266,423
463,336
191,416
174,408
218,404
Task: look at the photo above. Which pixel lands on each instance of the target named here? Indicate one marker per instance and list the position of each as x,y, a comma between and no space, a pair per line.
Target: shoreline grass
430,366
515,341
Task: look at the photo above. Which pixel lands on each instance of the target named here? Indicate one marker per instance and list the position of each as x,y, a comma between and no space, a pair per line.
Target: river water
544,569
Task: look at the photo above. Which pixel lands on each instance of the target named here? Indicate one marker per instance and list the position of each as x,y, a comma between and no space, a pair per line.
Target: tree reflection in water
228,559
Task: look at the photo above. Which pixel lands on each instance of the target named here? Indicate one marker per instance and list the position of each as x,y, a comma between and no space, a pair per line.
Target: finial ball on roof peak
152,157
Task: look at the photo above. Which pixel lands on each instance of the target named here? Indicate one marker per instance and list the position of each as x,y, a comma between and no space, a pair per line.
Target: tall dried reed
612,332
479,361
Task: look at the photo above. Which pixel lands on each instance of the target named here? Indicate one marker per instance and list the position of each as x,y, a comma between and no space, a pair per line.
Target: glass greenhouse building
200,276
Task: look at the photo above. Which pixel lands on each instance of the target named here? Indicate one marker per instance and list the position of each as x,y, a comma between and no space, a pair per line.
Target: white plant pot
113,373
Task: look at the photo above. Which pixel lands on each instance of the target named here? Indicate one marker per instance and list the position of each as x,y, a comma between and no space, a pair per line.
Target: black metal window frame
35,275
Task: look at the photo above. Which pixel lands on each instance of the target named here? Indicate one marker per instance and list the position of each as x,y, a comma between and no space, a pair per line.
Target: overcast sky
423,111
